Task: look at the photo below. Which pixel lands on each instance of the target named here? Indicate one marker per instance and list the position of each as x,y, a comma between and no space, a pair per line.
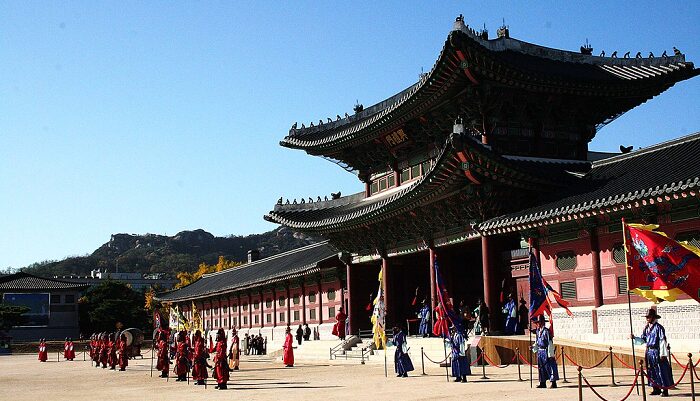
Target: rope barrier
438,363
477,360
654,384
634,383
522,358
587,367
623,362
683,366
496,365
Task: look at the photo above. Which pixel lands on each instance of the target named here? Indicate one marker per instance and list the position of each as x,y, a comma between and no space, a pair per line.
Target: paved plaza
22,377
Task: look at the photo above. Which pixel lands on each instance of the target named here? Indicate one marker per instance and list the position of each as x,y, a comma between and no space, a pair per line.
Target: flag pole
386,372
629,299
529,329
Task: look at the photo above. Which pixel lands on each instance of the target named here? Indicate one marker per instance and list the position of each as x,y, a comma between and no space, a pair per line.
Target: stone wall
681,319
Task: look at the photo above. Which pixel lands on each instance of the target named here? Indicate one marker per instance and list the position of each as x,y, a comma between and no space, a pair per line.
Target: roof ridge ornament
587,49
503,31
459,24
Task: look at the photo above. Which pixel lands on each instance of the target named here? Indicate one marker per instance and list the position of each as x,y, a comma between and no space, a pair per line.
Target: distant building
53,305
136,281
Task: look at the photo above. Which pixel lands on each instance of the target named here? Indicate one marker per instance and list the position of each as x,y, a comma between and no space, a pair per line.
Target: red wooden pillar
230,313
489,272
240,313
595,265
274,307
303,303
320,302
350,311
250,309
262,306
433,287
289,304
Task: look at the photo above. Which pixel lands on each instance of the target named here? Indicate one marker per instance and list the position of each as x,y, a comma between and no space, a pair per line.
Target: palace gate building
490,149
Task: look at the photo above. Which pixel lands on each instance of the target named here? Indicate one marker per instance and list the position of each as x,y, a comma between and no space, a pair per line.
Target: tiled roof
445,175
666,169
27,282
545,69
274,268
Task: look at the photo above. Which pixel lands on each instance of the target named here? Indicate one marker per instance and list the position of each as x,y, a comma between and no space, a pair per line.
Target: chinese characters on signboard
395,138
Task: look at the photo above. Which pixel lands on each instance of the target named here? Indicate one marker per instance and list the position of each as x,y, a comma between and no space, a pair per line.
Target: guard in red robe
95,350
104,350
112,352
288,357
199,359
43,352
163,364
182,358
123,350
339,326
221,369
68,351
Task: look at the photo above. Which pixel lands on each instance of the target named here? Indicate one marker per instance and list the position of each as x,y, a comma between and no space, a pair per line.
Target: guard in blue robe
544,348
510,309
460,359
424,315
402,362
656,357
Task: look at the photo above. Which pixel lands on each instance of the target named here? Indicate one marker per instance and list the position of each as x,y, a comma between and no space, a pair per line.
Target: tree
187,278
109,304
11,316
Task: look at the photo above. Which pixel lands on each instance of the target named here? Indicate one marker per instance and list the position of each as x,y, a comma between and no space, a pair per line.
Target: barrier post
517,356
58,356
563,365
641,375
362,357
612,368
580,384
692,372
670,359
422,362
483,364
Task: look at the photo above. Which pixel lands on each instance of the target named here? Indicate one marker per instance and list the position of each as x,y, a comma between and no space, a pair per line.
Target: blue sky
157,117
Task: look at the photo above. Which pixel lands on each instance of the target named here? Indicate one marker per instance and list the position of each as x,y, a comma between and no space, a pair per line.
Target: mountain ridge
184,251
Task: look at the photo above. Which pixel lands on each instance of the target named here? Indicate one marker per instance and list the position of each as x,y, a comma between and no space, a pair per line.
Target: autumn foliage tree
187,278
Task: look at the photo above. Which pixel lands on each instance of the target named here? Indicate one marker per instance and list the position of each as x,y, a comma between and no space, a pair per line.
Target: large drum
134,339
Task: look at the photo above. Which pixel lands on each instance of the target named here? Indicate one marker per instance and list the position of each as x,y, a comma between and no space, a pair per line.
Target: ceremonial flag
182,323
156,319
446,309
540,292
173,318
659,268
378,317
196,319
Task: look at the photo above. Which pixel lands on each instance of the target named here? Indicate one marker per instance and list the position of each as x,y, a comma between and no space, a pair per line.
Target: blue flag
540,291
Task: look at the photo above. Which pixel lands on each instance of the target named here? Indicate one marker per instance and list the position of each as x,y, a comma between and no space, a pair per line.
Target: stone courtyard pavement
22,377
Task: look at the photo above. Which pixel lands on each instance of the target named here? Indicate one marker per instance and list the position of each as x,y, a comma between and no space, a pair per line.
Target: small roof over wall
275,268
28,282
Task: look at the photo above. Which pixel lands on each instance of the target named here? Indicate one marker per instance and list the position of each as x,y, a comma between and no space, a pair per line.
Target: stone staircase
352,351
